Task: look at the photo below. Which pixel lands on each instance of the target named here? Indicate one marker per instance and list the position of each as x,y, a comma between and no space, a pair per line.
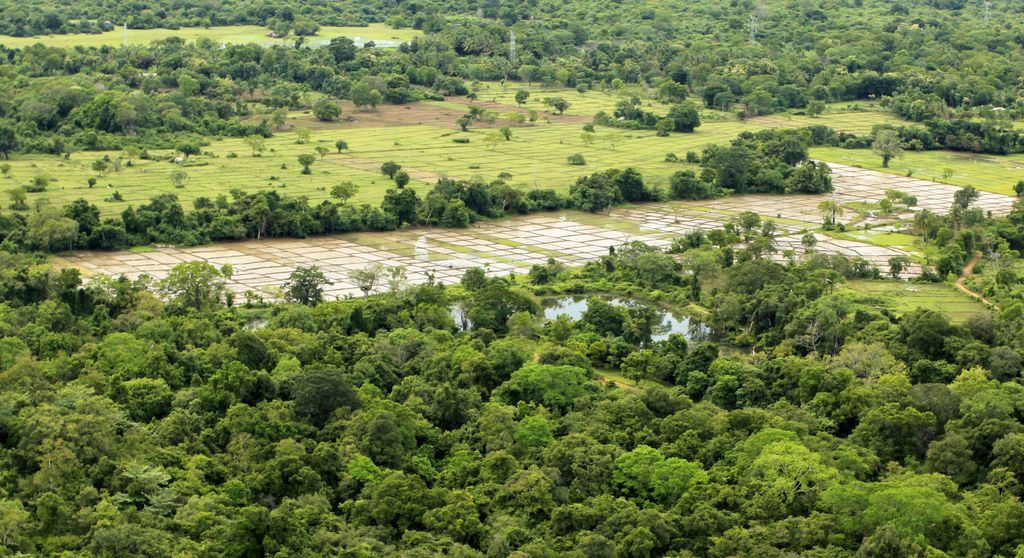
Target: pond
574,306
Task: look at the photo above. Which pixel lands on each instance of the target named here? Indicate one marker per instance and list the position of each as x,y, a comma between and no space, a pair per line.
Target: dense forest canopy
167,419
927,61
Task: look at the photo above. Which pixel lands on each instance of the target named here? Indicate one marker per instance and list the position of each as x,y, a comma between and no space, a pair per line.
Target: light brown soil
967,273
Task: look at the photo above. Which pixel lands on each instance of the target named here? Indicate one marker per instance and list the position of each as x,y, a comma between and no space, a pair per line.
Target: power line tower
987,6
126,34
753,28
512,57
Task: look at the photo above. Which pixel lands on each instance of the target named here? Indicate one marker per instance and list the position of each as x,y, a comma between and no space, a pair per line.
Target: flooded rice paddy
512,245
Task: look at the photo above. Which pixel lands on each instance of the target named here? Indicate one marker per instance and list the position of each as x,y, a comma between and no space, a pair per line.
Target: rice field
990,173
903,297
381,34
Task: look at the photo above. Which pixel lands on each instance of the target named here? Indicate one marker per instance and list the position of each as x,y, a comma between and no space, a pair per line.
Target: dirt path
967,273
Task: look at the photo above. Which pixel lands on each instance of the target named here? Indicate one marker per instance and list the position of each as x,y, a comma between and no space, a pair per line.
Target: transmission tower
987,5
753,28
126,34
512,58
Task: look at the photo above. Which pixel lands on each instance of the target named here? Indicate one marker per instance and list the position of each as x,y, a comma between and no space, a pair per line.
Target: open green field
904,297
380,33
991,173
419,137
582,104
854,117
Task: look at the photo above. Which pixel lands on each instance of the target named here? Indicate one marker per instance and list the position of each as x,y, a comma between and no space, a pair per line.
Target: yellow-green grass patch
235,34
536,157
880,238
857,118
588,103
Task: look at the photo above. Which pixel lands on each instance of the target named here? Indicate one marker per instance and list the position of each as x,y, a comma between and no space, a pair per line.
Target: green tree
576,159
811,178
146,398
685,117
341,145
367,278
555,387
196,284
595,193
344,191
326,110
306,285
389,169
664,127
179,178
521,97
964,197
897,264
403,203
456,214
49,231
14,524
18,199
278,118
257,144
318,392
927,223
402,179
307,160
684,185
888,145
8,140
363,95
100,166
830,211
188,149
557,103
894,433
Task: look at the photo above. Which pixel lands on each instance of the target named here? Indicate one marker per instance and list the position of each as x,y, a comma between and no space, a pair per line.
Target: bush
577,159
38,184
326,111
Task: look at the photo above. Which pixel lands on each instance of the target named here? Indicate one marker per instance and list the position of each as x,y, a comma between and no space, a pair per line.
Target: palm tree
926,223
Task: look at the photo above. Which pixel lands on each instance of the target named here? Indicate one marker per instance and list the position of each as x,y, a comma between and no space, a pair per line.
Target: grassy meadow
234,34
422,141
